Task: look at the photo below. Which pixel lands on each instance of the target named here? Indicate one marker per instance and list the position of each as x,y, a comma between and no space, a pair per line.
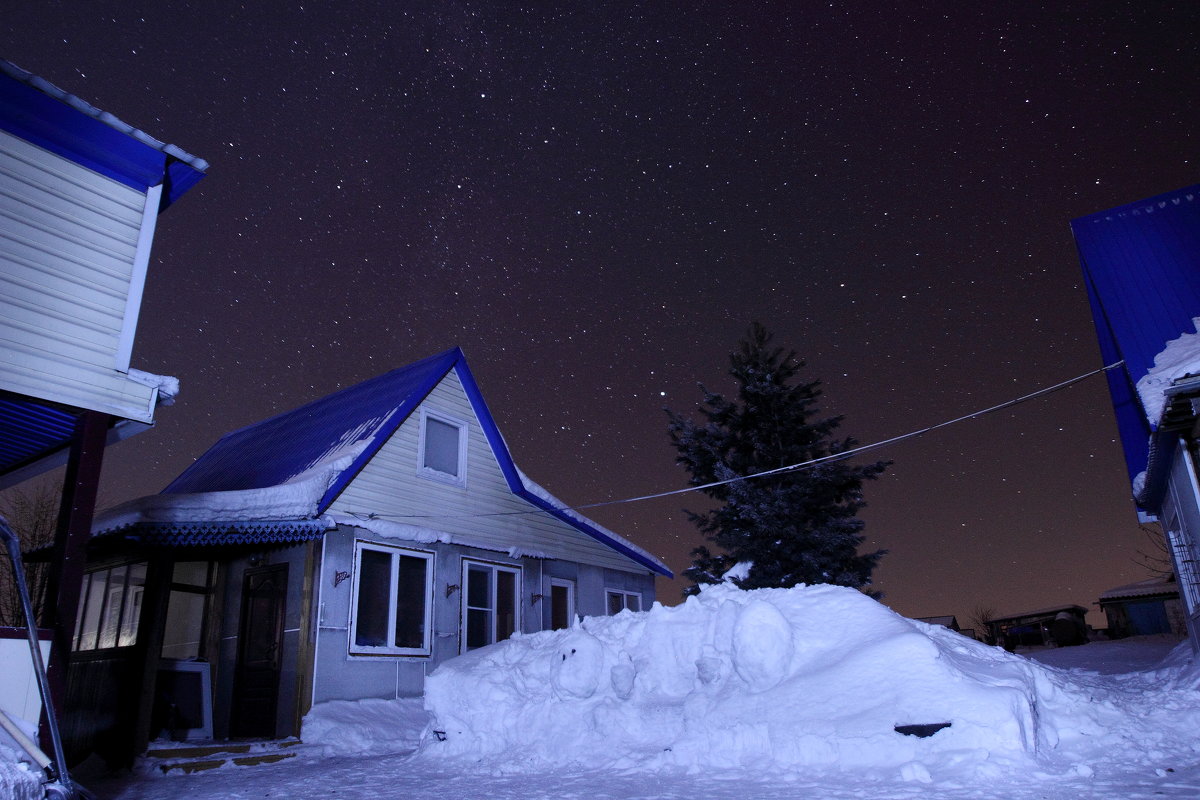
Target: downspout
312,700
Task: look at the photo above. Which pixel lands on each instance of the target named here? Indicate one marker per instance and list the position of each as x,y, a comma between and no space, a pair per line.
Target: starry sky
595,199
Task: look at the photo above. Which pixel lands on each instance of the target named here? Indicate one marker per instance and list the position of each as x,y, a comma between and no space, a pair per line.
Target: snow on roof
1178,360
534,489
296,499
387,529
1148,587
50,90
167,385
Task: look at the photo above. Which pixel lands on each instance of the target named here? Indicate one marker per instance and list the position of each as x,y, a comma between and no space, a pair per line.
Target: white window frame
467,564
624,594
391,649
436,474
569,585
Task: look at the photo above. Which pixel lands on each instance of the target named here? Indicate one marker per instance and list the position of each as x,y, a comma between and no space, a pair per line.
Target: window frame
624,594
124,627
569,585
433,473
464,607
391,650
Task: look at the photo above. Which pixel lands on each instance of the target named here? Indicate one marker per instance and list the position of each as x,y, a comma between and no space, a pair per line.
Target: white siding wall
73,251
391,488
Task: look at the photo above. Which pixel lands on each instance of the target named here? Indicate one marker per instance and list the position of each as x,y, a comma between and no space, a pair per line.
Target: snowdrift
811,677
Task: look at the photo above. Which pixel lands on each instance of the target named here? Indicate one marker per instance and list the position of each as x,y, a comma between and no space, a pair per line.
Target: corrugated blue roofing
359,420
30,430
41,113
1141,265
274,451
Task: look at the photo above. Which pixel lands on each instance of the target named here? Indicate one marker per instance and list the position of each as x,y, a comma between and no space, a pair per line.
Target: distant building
1144,608
1141,267
1060,626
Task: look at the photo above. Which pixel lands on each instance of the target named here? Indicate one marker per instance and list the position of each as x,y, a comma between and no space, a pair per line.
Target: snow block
803,678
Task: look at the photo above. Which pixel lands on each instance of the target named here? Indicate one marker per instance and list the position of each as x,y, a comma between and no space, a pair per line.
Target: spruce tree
797,526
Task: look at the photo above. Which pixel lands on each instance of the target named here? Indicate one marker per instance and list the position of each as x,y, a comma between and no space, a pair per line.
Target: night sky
595,199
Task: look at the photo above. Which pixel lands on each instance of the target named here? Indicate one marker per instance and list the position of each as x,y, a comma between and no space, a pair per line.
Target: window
110,605
191,585
391,610
562,603
443,448
619,600
491,603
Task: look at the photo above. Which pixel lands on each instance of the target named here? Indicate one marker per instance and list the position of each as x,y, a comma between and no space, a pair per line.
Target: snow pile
1180,359
18,779
808,678
365,727
167,385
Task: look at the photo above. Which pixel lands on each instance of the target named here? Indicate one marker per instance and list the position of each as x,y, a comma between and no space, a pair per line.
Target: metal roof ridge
50,90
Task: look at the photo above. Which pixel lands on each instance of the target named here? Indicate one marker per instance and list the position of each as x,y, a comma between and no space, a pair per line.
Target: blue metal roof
43,114
271,452
362,418
30,431
1141,265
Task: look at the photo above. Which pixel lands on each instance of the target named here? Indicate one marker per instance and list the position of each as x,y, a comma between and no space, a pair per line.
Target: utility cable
840,456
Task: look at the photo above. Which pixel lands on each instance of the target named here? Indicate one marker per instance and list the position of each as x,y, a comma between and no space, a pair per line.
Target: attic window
443,448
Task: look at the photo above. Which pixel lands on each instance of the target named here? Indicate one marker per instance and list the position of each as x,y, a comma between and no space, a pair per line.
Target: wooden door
260,650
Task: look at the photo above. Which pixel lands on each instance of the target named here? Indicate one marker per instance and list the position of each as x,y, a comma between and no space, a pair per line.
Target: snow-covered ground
766,694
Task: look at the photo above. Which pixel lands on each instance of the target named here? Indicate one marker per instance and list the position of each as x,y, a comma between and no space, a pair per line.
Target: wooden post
151,627
69,556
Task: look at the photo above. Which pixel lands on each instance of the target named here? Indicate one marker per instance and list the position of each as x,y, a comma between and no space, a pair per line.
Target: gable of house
478,508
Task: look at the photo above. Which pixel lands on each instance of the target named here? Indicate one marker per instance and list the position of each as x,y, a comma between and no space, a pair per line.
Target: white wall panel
73,249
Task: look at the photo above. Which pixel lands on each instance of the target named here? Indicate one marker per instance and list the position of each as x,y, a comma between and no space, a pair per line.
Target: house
341,551
1141,267
80,196
1144,608
1060,625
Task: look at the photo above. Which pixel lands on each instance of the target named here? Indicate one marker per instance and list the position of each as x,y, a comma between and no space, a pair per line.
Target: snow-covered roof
293,465
1147,588
1141,265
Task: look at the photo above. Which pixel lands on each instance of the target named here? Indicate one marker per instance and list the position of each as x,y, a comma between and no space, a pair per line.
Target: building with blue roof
80,196
1141,267
341,550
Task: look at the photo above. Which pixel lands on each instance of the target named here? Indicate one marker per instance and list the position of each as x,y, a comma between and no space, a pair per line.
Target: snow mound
18,779
807,678
365,727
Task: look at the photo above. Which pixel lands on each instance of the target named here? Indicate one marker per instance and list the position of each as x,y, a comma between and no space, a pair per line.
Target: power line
791,467
864,448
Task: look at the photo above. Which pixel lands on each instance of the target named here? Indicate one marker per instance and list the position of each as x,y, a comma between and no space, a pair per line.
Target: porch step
200,757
